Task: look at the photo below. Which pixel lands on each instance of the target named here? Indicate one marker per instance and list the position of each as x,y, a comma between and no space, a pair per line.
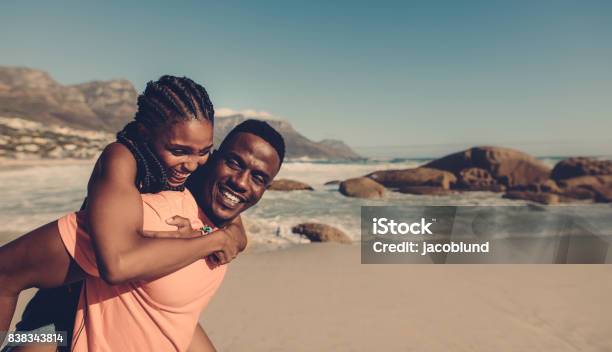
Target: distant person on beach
169,138
154,311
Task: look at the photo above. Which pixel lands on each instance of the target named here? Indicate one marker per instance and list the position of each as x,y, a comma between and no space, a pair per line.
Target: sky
415,77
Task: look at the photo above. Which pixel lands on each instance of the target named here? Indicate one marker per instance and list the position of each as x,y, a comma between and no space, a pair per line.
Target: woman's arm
184,230
115,217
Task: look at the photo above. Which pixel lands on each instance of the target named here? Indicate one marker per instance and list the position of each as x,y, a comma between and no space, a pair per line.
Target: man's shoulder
166,204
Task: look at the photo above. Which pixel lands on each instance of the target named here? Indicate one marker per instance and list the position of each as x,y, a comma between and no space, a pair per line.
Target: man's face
238,177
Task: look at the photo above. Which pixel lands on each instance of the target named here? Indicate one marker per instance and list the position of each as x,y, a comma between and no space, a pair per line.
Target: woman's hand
232,242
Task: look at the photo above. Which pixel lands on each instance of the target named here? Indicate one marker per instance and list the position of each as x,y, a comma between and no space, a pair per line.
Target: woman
171,136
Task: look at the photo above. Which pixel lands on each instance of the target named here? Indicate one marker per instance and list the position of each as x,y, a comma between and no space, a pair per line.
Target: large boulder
477,179
587,181
543,198
577,193
289,185
599,186
420,176
575,167
361,187
548,186
426,190
507,166
332,183
316,232
603,194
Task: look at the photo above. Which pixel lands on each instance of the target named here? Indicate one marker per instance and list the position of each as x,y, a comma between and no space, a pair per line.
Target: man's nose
240,180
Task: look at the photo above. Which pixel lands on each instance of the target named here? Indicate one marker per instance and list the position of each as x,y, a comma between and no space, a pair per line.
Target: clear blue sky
528,74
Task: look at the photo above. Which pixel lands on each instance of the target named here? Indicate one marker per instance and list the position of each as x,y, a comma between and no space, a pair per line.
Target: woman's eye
178,152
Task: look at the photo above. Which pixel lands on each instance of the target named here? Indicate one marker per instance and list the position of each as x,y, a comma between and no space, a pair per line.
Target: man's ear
269,184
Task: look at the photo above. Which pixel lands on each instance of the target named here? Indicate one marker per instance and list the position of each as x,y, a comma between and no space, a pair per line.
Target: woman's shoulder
116,160
118,150
117,154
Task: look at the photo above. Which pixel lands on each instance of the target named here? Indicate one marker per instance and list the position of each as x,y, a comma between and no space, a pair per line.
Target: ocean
35,195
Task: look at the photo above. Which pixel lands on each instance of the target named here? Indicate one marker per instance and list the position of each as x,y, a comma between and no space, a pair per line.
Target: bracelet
206,230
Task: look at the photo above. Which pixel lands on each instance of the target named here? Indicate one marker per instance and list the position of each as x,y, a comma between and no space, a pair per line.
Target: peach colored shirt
153,315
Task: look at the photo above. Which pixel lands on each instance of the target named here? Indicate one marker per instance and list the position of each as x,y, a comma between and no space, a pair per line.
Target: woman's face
183,147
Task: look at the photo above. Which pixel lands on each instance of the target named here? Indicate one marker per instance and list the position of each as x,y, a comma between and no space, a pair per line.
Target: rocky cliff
106,106
33,95
297,145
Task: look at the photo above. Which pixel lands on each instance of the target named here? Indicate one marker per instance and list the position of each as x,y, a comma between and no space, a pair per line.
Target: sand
318,297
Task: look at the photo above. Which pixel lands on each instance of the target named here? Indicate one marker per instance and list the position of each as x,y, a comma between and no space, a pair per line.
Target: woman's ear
143,131
213,155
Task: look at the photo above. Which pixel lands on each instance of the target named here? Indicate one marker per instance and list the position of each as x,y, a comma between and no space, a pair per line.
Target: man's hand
229,248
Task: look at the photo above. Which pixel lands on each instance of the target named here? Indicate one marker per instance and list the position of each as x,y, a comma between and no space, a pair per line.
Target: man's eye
233,163
259,179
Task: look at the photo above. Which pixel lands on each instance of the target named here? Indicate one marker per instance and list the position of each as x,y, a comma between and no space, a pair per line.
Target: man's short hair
261,129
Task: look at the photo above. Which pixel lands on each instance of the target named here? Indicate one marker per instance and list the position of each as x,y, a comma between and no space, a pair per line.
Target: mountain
106,106
297,146
32,94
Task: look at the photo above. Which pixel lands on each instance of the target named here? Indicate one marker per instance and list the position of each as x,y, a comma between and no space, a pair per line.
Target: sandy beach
318,297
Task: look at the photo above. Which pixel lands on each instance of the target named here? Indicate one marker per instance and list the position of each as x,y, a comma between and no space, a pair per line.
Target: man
160,313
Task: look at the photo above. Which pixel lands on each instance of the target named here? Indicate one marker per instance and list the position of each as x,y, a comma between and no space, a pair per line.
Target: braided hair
164,102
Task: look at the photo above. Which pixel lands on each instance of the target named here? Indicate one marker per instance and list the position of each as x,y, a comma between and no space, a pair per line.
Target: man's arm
115,215
200,341
235,230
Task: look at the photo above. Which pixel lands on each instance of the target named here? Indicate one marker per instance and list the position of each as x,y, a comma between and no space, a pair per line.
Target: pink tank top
156,315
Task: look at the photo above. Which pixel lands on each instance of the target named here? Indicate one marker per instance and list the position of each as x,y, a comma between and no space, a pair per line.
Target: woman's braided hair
164,102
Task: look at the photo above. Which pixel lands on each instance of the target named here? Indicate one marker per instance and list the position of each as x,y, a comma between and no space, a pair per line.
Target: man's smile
229,198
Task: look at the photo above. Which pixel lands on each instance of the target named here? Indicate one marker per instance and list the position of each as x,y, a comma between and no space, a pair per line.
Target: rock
330,183
548,186
55,153
426,190
30,148
70,147
575,167
321,233
603,194
477,179
420,176
577,193
361,187
289,185
599,186
543,198
484,188
507,166
587,181
39,140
